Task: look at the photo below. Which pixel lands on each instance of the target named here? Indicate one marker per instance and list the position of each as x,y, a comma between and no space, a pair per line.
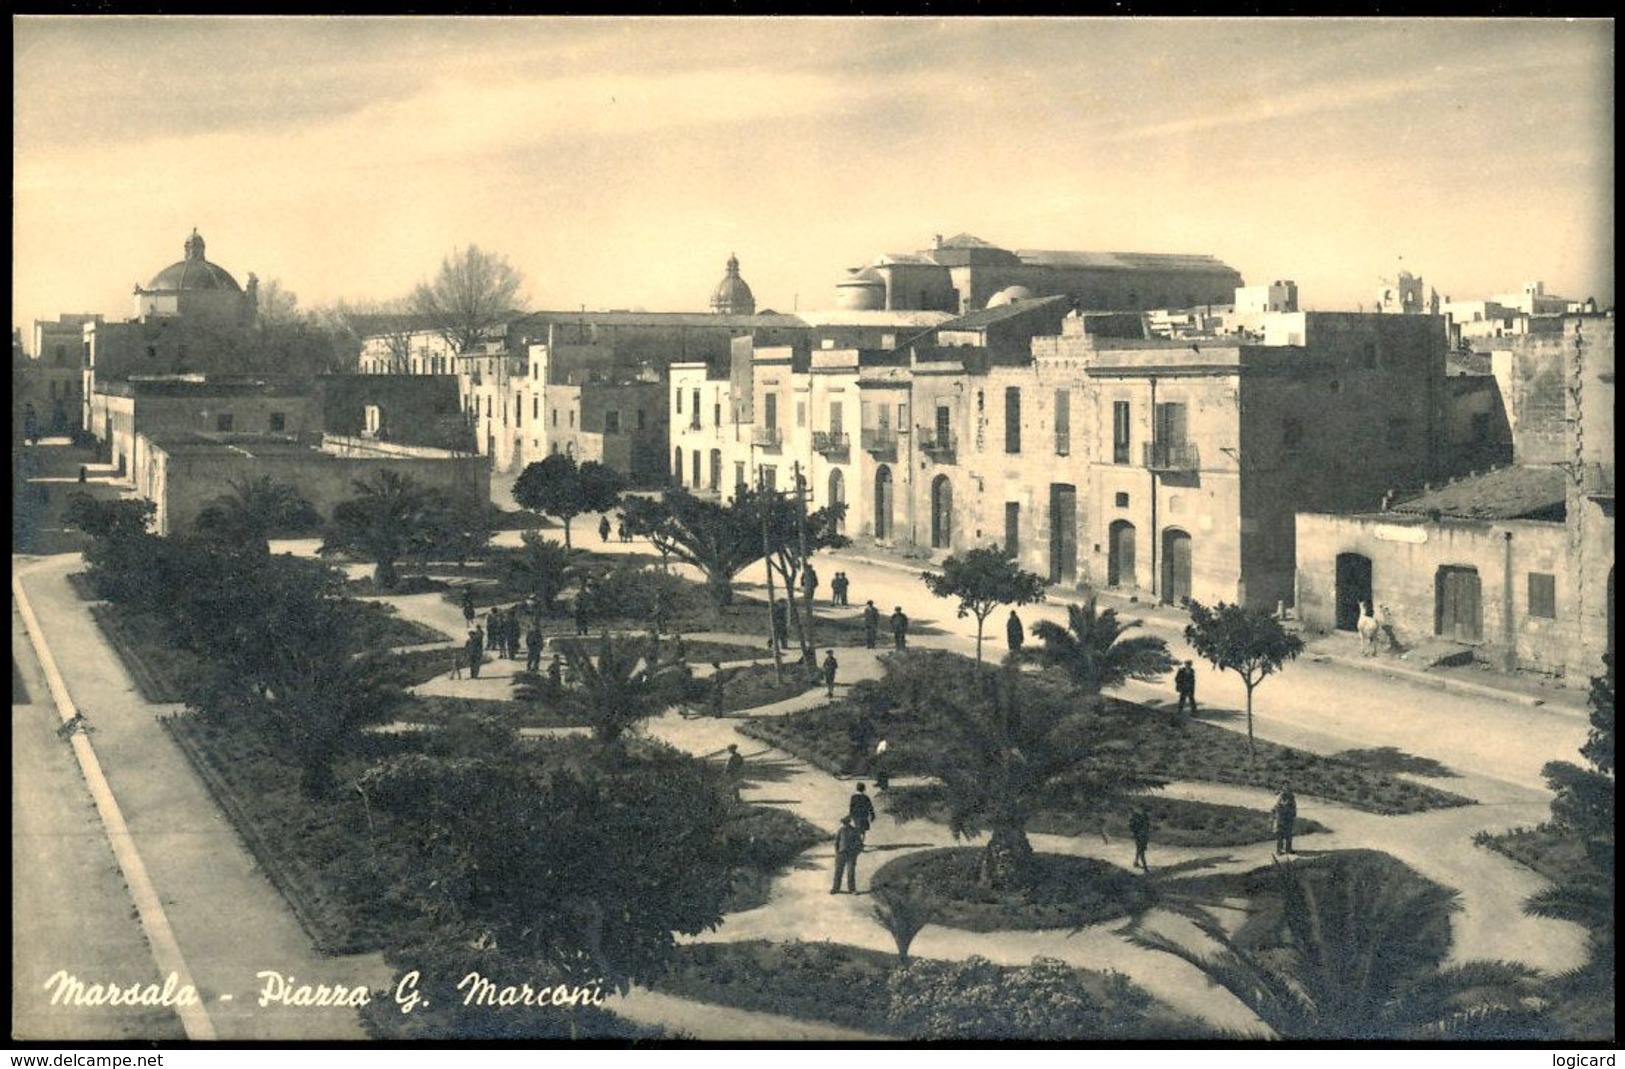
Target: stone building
1516,563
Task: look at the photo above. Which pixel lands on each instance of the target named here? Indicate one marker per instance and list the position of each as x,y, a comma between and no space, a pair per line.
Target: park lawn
1557,856
441,710
160,670
380,628
1065,892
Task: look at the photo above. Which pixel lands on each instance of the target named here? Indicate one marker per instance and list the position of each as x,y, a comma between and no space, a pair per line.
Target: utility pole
767,563
802,491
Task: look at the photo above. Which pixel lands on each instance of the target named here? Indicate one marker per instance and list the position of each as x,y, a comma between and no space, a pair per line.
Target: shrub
630,592
1047,1000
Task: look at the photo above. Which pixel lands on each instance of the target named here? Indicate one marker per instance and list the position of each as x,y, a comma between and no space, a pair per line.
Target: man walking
862,810
871,625
1014,633
533,647
899,628
809,582
1285,813
829,672
848,845
1185,687
1139,825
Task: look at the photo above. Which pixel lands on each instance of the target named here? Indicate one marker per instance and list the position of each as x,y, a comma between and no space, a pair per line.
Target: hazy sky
617,162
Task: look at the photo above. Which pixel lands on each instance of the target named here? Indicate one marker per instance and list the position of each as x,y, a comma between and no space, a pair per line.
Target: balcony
1171,456
939,446
831,442
770,439
881,441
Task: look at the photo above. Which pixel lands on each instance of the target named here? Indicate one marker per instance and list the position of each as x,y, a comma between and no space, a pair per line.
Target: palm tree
619,687
391,517
1353,949
1092,652
1000,746
540,569
253,511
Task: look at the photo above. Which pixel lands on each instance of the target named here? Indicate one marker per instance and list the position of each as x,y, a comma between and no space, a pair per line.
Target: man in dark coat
1285,813
809,582
861,809
533,647
848,845
781,623
555,676
468,606
510,632
837,588
1139,825
1185,687
1014,633
829,672
476,652
603,529
899,628
871,625
581,613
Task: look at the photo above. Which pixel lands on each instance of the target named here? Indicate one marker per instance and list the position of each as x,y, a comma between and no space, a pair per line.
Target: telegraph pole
802,490
767,563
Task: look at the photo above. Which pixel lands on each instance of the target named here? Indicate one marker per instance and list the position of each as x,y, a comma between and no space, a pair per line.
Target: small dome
194,272
1009,295
862,290
733,296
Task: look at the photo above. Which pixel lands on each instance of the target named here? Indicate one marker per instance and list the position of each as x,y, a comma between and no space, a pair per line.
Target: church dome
194,272
862,290
1009,295
733,296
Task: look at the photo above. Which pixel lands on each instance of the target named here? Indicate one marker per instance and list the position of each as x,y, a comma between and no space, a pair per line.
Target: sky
618,162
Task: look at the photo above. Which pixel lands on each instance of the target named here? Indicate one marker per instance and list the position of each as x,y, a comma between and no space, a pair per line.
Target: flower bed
1065,891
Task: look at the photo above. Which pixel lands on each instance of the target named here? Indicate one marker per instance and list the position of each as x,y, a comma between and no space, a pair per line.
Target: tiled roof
1143,261
984,316
1507,494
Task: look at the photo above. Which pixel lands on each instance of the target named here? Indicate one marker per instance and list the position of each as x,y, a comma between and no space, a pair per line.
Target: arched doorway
1458,604
1120,554
1353,587
677,465
837,498
1176,566
716,470
942,512
883,493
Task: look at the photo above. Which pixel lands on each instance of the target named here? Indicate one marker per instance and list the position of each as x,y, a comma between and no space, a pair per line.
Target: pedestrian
457,657
882,766
781,623
837,588
862,736
603,529
734,770
829,672
1285,813
1014,633
1185,687
580,613
475,648
861,809
493,632
871,625
84,473
848,845
621,532
510,632
809,582
899,628
1139,825
719,684
468,605
533,647
555,676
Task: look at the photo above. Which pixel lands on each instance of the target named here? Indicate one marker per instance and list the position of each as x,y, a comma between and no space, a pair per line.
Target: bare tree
351,324
473,292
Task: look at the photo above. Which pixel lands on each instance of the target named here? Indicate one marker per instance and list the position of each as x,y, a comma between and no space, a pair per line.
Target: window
1543,595
1399,429
279,421
695,409
555,417
801,413
716,414
1012,419
612,422
223,422
770,411
1063,422
944,423
679,401
770,478
739,473
1169,423
519,411
572,420
1122,500
1012,527
1291,433
488,408
1119,432
835,423
536,407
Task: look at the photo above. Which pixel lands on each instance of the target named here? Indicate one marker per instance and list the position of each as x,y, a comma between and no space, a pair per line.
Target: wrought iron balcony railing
828,442
939,446
880,440
769,438
1171,456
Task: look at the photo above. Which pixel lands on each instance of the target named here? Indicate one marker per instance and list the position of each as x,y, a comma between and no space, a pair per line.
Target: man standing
533,647
781,623
871,625
476,652
882,766
1285,812
829,672
848,845
1014,633
862,810
837,588
580,612
809,582
1139,825
899,628
510,632
734,770
468,605
555,676
1185,687
603,529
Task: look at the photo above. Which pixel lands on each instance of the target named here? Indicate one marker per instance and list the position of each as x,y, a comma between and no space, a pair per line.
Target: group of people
1283,820
871,626
621,532
504,632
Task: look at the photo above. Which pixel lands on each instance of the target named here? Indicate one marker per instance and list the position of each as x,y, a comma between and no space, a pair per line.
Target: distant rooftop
1521,491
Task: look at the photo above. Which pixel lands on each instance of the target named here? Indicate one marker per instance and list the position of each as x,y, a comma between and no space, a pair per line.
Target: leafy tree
540,569
1093,653
391,517
556,486
650,518
123,552
1354,947
793,536
1248,642
978,1000
253,511
620,685
600,860
982,580
721,540
1002,743
473,293
110,519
